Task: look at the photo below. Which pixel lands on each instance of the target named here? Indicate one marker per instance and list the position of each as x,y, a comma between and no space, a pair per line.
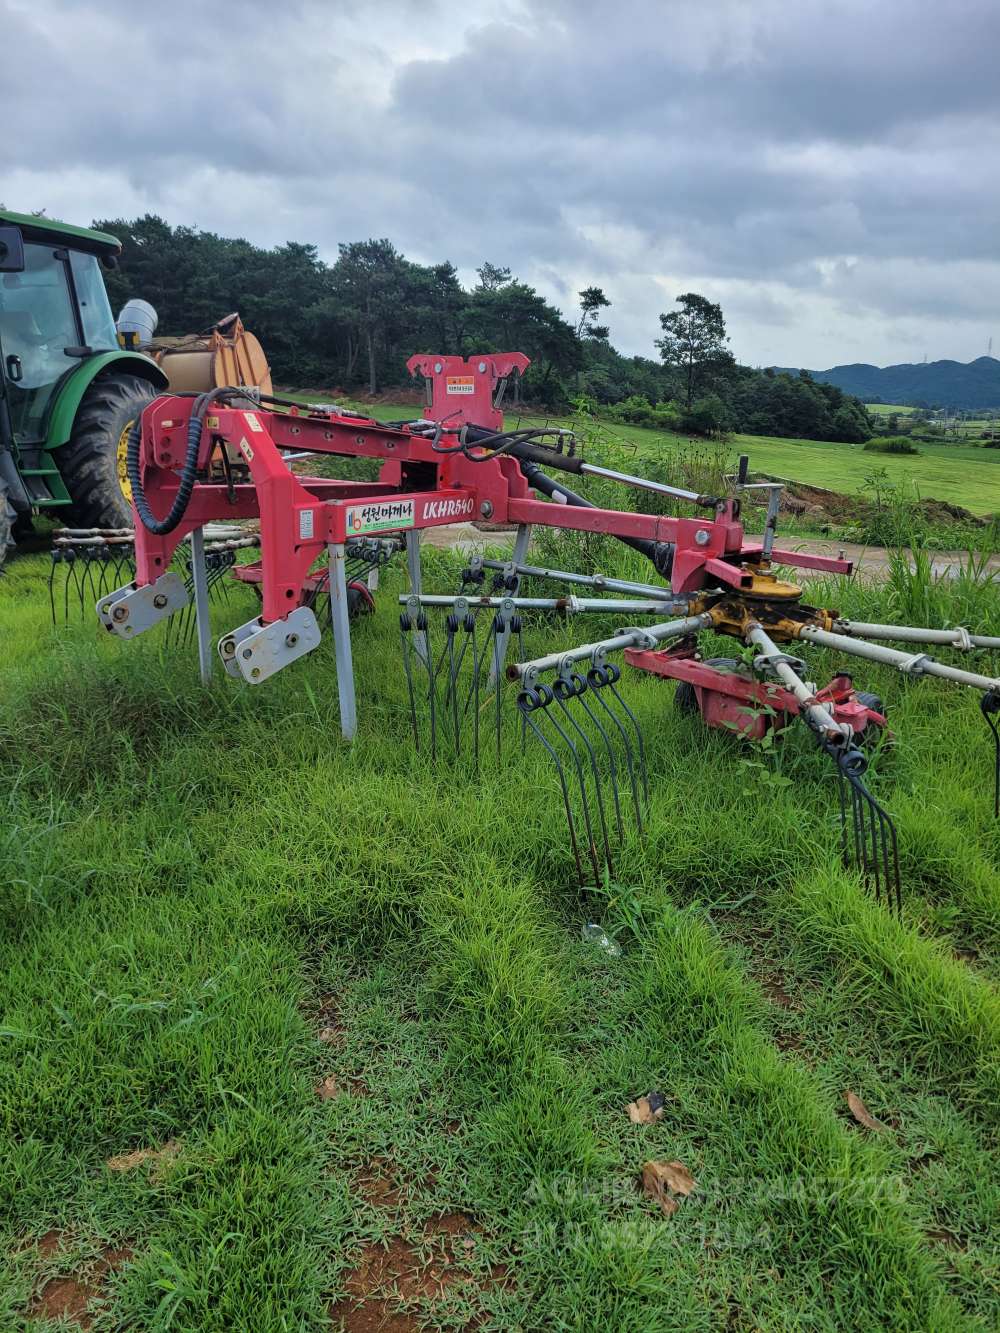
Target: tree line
352,325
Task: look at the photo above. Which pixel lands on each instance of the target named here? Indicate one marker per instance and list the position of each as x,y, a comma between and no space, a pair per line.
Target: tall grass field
297,1035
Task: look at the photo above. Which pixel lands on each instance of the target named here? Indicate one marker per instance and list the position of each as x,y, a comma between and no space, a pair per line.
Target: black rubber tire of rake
685,699
88,462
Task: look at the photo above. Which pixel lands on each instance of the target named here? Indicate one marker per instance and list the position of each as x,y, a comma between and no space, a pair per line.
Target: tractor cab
68,390
54,312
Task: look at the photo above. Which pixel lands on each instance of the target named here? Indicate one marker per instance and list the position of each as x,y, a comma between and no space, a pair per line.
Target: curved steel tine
989,704
641,750
585,804
470,629
56,553
845,857
70,573
597,689
484,655
427,659
529,721
611,758
885,847
451,694
86,580
497,677
405,629
876,847
521,658
595,772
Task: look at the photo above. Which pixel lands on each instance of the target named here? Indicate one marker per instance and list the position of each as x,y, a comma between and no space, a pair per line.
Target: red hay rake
193,461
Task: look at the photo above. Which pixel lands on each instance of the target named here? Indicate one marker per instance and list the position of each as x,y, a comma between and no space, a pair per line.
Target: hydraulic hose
159,527
661,554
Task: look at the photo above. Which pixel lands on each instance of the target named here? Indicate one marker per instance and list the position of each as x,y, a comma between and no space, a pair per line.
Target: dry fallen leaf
327,1088
646,1110
662,1180
861,1112
128,1161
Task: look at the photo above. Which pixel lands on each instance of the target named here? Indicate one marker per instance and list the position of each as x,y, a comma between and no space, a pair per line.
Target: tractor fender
79,381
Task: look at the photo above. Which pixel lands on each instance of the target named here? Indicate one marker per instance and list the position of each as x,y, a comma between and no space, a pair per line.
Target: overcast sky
827,171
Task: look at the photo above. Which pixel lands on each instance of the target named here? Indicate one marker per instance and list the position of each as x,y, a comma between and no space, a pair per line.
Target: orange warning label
460,384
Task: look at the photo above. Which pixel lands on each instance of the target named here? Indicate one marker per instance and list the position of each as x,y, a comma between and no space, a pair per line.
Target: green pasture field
296,1035
961,474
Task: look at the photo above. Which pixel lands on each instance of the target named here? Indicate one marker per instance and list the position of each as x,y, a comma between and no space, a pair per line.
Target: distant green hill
933,384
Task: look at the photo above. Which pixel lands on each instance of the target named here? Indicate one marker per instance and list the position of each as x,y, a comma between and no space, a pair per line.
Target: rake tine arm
912,664
772,662
598,581
601,605
951,638
628,638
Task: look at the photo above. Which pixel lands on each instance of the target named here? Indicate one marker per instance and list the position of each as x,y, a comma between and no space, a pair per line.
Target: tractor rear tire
6,528
89,462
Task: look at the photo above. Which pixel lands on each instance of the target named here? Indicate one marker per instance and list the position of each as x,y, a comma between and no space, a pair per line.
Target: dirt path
871,562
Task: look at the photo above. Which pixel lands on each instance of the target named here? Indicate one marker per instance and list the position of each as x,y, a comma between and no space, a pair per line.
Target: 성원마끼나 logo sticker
379,516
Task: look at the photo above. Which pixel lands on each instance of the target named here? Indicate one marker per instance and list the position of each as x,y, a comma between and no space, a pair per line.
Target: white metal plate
130,610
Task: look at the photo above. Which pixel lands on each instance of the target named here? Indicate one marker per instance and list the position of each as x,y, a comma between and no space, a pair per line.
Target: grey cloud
824,168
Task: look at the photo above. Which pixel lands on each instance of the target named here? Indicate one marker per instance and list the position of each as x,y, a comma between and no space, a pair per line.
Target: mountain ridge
954,384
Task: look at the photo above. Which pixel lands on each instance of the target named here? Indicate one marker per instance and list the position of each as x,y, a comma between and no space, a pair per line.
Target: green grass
962,474
211,903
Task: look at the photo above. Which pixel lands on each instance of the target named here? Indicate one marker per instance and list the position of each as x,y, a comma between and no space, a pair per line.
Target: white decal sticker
306,524
245,446
379,516
460,384
251,418
448,508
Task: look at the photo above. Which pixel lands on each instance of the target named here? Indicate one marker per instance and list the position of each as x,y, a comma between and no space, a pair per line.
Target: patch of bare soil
159,1157
329,1029
387,1274
400,1272
817,502
776,993
378,1185
69,1296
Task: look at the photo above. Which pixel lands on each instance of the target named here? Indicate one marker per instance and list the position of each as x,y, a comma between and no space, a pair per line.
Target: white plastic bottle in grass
592,933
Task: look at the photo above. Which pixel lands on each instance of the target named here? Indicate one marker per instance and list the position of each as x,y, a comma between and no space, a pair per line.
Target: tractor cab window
99,329
37,322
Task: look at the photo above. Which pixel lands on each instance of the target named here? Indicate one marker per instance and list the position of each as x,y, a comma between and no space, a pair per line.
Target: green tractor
68,390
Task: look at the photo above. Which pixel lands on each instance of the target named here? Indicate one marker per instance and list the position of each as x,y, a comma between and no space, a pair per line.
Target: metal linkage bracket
764,663
914,666
130,610
257,651
643,639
